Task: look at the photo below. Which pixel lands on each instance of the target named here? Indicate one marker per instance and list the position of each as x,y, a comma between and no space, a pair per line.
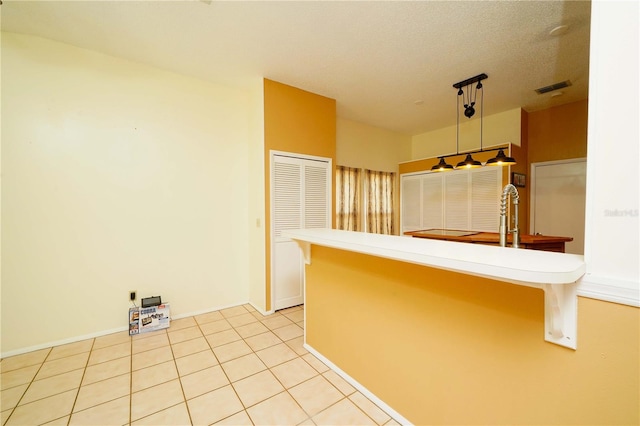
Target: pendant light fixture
469,96
501,160
468,163
442,166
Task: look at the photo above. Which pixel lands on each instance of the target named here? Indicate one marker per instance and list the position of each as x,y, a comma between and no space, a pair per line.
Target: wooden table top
483,237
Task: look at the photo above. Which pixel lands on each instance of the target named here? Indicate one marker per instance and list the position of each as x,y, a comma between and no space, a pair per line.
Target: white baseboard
63,341
110,331
610,290
265,313
206,311
353,382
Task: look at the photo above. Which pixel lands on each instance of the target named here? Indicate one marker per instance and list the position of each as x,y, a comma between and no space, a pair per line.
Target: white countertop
518,266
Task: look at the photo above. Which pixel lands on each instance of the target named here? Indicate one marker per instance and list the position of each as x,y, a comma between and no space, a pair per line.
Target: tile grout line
321,375
130,376
158,384
211,348
225,373
13,410
175,363
84,371
286,389
243,339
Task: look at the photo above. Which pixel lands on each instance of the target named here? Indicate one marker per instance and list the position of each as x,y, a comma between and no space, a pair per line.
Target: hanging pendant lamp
468,163
501,160
468,97
442,166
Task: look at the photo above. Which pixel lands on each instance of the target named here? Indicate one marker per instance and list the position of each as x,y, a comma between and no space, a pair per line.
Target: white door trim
272,156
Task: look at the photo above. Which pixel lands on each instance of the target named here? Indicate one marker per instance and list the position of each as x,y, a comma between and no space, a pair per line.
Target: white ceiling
375,58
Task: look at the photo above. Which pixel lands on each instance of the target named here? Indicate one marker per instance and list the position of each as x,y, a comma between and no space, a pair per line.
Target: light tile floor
232,367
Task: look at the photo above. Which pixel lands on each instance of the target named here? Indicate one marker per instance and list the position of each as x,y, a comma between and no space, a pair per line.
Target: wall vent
552,87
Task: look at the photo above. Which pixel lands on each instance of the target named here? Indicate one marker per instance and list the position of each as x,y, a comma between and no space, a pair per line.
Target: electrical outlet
132,295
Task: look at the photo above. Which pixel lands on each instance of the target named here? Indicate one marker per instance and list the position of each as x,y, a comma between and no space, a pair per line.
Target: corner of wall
295,121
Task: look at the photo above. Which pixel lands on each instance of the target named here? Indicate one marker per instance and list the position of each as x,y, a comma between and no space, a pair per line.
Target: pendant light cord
458,123
481,114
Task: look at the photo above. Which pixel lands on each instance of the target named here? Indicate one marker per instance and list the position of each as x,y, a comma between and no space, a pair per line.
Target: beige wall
257,219
299,122
498,129
367,147
446,348
116,177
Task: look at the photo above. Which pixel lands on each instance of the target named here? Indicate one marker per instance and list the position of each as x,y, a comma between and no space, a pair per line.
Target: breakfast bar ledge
555,273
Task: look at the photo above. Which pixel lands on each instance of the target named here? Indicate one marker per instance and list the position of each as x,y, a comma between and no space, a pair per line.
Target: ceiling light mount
478,78
469,102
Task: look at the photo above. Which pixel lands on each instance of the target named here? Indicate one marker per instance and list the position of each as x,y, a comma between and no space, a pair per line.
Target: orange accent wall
558,133
446,348
299,122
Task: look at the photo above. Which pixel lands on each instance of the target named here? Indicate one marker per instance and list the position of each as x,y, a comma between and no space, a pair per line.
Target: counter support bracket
561,314
306,251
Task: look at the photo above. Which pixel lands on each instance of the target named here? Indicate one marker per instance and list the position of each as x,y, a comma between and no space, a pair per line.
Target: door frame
272,240
532,190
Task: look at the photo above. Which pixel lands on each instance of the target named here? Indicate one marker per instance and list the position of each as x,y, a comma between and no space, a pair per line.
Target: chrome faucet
515,198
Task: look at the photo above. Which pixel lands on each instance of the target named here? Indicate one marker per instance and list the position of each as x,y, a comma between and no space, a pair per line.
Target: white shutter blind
287,196
411,203
456,200
485,196
432,207
315,197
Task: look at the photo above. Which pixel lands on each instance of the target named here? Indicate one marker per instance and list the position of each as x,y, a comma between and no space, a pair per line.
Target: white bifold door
300,198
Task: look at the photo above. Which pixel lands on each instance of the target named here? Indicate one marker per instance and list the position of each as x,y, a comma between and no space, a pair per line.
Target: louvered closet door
411,203
486,187
317,193
432,206
456,201
301,198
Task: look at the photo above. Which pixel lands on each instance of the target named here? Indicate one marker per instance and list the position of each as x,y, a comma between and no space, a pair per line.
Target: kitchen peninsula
408,320
533,242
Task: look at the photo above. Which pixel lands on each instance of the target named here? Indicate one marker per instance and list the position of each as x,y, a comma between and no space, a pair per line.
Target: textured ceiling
375,58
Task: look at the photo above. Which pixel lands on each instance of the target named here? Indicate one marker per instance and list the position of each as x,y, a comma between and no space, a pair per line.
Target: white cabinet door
456,200
486,190
461,199
432,205
411,203
301,198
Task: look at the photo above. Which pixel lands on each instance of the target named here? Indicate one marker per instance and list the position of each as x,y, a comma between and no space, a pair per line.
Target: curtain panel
348,198
379,201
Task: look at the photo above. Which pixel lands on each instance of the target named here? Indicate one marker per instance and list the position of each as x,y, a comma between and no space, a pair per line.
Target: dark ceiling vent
552,87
